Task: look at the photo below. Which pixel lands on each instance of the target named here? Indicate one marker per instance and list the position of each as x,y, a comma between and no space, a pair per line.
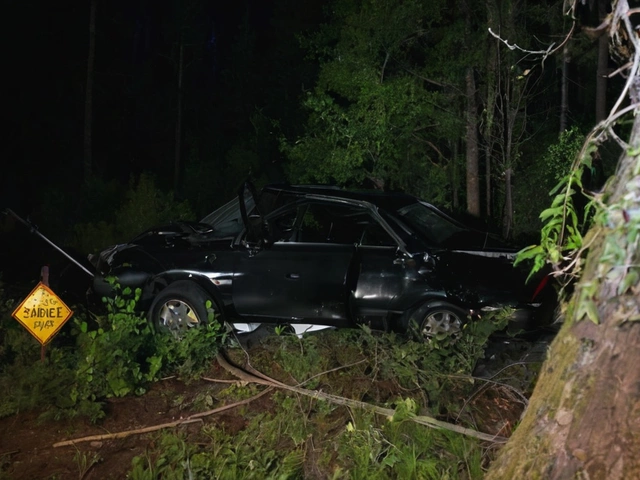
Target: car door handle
293,276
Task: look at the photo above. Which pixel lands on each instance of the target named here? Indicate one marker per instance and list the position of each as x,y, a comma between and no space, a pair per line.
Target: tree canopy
360,93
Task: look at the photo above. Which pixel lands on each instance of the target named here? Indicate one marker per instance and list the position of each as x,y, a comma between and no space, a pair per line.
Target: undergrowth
306,437
118,354
94,358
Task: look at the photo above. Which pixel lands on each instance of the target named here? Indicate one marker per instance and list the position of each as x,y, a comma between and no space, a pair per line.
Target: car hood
180,244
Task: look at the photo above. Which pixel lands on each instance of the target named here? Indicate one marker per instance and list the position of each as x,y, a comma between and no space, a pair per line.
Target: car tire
180,307
440,321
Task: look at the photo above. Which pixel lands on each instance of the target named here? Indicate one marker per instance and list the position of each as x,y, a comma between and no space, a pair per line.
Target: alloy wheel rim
177,317
441,323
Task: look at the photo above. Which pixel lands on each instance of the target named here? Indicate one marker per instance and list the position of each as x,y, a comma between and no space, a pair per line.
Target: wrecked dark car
314,257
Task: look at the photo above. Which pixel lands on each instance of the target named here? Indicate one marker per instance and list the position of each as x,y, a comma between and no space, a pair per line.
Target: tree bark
583,419
473,180
88,95
492,75
564,89
453,175
507,218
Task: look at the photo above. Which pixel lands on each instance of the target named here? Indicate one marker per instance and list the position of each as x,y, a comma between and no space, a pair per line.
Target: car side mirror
253,247
257,236
403,258
428,264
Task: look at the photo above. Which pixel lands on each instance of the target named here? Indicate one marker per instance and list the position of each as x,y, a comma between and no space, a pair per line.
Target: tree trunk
473,181
88,95
564,89
492,75
583,419
507,218
603,66
453,172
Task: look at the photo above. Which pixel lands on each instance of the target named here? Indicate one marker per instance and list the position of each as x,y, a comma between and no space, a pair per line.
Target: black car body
317,256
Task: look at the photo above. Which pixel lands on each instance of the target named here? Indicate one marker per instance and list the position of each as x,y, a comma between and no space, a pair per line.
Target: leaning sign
42,313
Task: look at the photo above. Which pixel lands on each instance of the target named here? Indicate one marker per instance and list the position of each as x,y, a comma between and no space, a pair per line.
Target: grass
287,435
303,437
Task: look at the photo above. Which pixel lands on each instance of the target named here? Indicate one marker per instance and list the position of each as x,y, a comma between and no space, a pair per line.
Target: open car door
254,222
299,270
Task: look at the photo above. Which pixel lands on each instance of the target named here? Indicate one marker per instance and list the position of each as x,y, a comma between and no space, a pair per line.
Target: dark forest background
187,98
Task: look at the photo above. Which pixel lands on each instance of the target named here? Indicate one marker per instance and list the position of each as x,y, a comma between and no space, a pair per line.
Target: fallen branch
196,417
387,412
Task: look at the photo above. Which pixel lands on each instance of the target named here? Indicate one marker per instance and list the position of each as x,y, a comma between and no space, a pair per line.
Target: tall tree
583,418
381,112
473,168
472,154
491,91
564,89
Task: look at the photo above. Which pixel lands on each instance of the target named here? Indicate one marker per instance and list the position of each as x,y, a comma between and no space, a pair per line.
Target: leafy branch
562,244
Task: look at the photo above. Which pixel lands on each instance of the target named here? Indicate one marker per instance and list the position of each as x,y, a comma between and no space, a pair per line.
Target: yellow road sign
42,313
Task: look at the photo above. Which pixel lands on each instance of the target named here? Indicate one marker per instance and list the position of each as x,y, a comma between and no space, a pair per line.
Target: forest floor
29,450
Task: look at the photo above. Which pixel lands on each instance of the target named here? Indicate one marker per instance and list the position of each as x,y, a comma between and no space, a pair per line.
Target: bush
106,356
144,206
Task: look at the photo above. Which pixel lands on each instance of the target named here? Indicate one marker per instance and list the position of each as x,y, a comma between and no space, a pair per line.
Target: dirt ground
27,444
28,451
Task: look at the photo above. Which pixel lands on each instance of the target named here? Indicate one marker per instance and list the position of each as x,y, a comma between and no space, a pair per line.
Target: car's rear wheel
179,307
441,321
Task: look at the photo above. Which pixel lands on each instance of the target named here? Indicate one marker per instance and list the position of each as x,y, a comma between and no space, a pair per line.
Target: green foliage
616,220
26,382
617,262
289,357
403,449
85,461
116,355
113,355
547,168
563,224
370,119
192,354
426,365
251,454
143,206
29,384
261,450
559,156
299,436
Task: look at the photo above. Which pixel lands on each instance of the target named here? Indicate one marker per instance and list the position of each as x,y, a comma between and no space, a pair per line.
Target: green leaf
550,212
629,280
588,308
528,252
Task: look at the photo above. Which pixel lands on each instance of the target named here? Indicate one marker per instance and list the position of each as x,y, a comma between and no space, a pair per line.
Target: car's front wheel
179,307
441,321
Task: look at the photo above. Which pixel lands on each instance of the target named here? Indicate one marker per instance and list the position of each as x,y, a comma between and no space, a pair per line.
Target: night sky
232,68
46,46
